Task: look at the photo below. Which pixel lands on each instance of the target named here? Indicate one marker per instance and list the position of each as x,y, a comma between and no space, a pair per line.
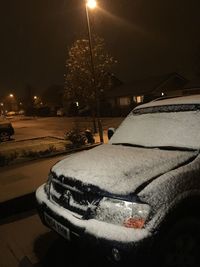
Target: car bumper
115,242
10,131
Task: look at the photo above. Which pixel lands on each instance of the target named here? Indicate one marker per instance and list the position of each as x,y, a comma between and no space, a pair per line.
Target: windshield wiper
177,148
158,147
129,144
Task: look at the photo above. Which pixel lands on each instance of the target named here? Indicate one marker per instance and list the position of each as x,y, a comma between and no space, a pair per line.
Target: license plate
59,228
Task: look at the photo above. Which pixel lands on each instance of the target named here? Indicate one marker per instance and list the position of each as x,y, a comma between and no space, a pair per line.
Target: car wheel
4,136
180,244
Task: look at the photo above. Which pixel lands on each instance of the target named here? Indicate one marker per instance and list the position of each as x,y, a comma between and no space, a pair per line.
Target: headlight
48,184
120,212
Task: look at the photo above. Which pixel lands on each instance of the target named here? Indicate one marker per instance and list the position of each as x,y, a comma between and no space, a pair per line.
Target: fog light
116,255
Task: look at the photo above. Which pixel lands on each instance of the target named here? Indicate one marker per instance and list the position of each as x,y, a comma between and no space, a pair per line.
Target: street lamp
2,109
11,95
92,4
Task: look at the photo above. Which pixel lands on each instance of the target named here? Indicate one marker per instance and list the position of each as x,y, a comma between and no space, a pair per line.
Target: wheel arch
188,206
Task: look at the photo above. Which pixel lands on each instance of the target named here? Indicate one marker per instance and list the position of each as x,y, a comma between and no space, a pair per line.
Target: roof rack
165,97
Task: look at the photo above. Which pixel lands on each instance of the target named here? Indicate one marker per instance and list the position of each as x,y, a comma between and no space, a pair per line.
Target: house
192,87
124,97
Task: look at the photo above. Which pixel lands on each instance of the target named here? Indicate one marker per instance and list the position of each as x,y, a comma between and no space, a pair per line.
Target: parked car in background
10,113
138,196
6,129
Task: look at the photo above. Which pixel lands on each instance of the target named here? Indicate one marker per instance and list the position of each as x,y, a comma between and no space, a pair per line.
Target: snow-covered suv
139,194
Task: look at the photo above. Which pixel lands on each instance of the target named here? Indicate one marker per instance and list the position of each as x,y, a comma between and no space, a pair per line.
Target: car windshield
175,126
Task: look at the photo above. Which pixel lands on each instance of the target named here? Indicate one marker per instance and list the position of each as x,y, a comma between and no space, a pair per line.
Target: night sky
146,37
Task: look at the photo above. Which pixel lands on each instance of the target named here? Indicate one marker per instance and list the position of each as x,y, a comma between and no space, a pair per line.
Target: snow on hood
120,169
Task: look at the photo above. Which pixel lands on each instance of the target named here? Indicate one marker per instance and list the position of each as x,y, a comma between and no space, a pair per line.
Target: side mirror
110,132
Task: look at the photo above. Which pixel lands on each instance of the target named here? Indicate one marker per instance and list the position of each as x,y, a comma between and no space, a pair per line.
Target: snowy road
26,128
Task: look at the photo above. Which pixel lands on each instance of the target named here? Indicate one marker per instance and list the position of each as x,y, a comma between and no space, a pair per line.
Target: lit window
138,99
124,101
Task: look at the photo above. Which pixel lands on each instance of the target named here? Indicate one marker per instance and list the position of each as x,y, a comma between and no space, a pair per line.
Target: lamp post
2,109
11,100
92,4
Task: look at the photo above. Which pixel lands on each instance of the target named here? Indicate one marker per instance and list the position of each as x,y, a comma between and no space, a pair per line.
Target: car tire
4,136
179,246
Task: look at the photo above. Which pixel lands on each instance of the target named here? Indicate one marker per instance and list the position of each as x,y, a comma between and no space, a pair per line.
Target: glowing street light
35,97
92,4
11,95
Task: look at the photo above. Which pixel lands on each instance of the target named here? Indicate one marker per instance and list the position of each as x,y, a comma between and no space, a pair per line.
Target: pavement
19,240
20,227
26,242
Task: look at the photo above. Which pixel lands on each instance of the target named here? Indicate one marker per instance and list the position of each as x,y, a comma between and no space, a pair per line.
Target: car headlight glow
124,213
47,186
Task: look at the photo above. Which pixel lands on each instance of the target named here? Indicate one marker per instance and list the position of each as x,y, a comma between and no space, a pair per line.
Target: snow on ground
34,134
36,144
20,151
56,126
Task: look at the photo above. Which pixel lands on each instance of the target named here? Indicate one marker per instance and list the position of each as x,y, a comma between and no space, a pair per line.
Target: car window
160,129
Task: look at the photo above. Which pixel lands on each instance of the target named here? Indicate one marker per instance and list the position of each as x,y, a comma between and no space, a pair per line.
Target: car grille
73,199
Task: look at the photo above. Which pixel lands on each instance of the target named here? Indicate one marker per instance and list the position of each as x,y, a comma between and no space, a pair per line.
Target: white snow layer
96,228
171,188
119,169
176,129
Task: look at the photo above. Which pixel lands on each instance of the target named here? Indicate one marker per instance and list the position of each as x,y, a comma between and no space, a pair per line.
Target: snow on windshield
174,129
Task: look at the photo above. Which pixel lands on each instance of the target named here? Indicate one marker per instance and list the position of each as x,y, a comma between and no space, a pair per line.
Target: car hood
120,169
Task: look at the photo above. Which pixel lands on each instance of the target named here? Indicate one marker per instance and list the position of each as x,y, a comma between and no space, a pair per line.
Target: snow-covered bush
77,137
80,138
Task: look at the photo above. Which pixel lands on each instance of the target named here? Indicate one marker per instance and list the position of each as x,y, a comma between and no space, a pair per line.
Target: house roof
146,86
193,84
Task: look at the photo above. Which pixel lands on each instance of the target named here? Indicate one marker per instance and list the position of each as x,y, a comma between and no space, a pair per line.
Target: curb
37,138
54,154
